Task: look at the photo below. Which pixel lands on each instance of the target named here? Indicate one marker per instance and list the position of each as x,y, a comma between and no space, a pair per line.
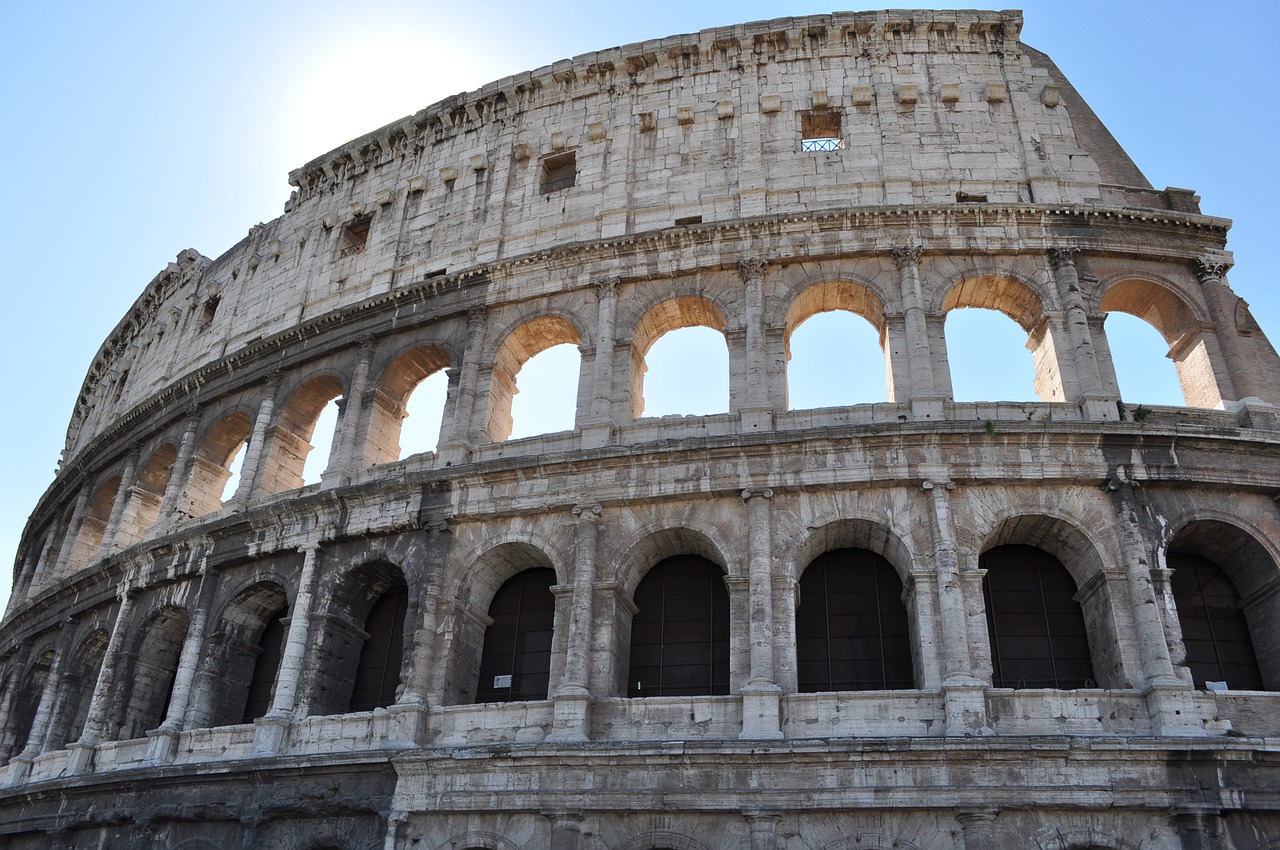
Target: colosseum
918,623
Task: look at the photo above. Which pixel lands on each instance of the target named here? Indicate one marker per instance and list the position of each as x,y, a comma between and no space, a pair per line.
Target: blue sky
135,130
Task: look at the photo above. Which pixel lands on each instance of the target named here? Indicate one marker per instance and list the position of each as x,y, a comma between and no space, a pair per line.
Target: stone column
764,829
95,723
72,534
255,453
761,696
456,446
965,695
21,661
573,696
271,729
566,830
922,392
128,476
1092,399
180,472
345,462
757,412
420,681
1221,300
597,430
21,763
164,738
976,826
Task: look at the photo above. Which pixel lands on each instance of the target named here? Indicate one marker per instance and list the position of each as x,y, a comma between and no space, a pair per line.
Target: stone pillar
9,697
1169,700
180,472
761,696
573,696
20,765
128,476
164,738
757,412
1161,583
1221,300
976,827
72,534
255,453
271,729
1092,399
456,445
922,392
420,681
764,829
95,723
566,830
597,430
345,462
965,695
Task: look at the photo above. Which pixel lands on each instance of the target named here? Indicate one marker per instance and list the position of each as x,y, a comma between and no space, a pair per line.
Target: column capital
587,511
367,344
751,268
1210,269
606,287
906,255
1062,256
477,315
765,493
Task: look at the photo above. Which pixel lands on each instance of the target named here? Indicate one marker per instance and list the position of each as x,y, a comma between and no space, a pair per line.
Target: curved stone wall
310,666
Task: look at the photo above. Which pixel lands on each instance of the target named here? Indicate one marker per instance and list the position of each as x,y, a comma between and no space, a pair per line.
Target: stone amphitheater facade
1050,624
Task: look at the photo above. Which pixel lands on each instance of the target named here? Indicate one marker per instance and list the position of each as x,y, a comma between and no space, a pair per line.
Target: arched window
680,633
516,662
1214,630
680,360
1144,372
988,357
262,683
26,701
299,448
150,680
1037,631
558,391
834,358
77,690
407,406
215,469
378,673
851,625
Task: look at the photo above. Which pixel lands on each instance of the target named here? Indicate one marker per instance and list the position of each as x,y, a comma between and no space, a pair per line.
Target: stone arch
520,344
1249,560
1021,301
390,394
93,524
76,689
870,841
1080,553
1178,319
290,440
658,541
211,463
1088,838
683,311
661,840
473,592
478,840
234,651
838,294
26,701
344,634
142,510
150,666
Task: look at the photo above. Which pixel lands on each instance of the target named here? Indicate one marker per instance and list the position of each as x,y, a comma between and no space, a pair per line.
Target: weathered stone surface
177,670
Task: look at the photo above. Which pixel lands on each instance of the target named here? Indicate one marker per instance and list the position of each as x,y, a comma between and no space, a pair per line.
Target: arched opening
210,484
27,701
680,632
1215,632
835,347
93,525
1144,372
1163,309
408,406
142,510
852,629
81,675
151,671
307,421
1223,587
680,360
239,670
1036,628
555,394
987,343
516,661
362,641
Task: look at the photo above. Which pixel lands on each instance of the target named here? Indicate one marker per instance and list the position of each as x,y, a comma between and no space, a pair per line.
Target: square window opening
559,172
355,237
820,131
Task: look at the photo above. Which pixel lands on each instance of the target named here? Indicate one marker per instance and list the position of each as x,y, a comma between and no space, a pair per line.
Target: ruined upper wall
934,109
